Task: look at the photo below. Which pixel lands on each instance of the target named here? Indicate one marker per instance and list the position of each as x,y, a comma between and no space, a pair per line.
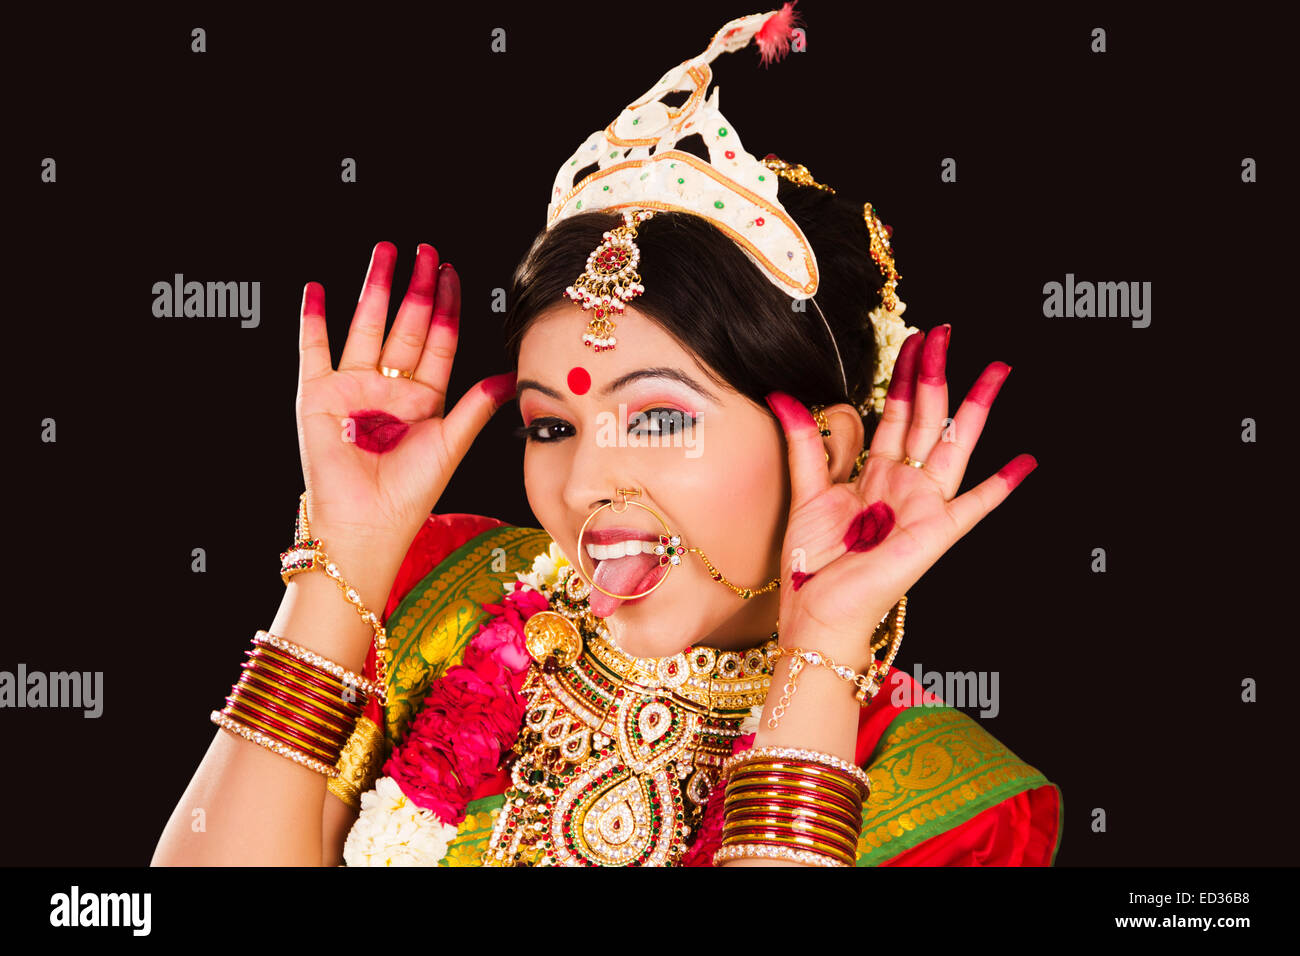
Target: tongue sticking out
629,575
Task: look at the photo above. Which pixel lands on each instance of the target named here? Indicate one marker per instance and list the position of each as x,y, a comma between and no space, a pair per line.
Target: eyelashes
656,421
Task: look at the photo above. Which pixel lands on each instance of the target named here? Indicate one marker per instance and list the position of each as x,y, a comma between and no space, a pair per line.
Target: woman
586,717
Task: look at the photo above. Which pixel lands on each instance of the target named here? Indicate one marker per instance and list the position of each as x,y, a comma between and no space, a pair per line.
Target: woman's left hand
852,549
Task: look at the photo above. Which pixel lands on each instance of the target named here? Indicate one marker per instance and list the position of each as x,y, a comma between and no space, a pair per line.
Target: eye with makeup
655,421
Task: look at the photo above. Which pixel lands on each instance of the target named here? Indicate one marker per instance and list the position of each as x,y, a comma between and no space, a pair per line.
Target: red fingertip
446,306
934,355
313,299
790,412
902,384
1015,470
382,261
501,387
986,387
425,274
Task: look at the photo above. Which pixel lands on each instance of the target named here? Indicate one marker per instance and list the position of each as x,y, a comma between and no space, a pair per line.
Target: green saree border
431,627
474,833
933,769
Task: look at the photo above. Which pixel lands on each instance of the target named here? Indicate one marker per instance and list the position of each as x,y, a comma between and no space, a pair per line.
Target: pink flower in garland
472,715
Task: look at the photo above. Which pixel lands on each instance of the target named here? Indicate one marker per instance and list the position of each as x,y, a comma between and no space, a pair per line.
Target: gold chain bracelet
867,686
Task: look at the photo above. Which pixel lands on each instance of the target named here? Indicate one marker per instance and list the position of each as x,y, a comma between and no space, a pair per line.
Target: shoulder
455,570
945,791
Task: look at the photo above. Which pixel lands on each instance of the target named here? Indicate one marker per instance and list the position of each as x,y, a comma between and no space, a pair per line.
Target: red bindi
579,380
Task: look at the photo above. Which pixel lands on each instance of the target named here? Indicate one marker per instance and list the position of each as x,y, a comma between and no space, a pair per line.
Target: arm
260,808
823,717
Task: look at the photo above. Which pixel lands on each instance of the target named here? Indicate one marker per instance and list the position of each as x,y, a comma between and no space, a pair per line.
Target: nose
597,469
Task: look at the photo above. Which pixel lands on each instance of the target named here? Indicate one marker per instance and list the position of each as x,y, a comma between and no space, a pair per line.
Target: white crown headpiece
640,171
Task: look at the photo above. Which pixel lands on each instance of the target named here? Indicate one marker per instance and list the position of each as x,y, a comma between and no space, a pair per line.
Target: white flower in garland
393,831
751,723
546,569
891,333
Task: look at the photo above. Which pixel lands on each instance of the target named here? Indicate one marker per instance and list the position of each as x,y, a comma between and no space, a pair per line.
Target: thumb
809,475
463,423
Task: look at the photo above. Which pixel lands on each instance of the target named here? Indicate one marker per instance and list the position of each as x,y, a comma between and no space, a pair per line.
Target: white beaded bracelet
324,663
749,851
257,737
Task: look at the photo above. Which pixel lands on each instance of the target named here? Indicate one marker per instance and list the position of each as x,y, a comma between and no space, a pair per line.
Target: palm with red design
863,544
378,451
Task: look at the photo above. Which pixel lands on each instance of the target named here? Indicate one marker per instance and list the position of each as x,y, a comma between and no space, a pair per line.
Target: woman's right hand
376,451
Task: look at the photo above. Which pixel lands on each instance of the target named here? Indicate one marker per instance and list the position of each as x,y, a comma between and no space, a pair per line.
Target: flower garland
470,719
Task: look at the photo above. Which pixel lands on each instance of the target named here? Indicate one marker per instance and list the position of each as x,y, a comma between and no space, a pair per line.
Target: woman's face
711,462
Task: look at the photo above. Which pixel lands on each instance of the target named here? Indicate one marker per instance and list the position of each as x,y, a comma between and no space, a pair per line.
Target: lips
604,537
377,431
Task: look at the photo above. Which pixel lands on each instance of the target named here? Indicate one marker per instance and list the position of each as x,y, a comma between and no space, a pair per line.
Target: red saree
944,791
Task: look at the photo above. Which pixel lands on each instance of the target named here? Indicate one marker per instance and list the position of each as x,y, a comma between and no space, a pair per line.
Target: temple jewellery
618,755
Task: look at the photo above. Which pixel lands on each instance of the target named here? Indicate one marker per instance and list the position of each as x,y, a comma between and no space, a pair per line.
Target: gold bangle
359,763
346,710
328,732
802,825
259,723
778,774
252,709
314,661
765,798
744,788
255,736
752,755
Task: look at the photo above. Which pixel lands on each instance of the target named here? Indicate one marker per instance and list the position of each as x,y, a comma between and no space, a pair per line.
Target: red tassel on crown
773,37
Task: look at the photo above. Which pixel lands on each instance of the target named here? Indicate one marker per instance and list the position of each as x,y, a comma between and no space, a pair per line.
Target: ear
845,441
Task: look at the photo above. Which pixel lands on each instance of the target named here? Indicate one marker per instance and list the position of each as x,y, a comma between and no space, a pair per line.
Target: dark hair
702,289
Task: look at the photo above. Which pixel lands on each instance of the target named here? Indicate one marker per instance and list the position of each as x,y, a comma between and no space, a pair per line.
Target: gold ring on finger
909,460
395,372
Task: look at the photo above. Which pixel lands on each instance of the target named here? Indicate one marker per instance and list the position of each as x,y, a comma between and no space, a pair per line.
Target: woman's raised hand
863,544
378,449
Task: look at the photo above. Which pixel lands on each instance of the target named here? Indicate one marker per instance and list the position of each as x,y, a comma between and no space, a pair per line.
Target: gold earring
819,416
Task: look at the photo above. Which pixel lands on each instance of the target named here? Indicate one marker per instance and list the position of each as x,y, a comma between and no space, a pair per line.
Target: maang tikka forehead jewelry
669,548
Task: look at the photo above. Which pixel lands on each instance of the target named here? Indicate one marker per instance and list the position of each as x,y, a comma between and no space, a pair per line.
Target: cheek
735,491
543,486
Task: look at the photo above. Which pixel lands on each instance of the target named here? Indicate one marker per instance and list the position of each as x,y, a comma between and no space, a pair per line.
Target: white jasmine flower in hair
393,831
545,570
891,332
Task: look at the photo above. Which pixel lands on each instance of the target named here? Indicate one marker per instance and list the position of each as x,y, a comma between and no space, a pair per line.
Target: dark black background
1124,687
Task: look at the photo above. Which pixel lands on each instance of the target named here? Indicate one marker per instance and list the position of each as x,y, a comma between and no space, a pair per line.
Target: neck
750,626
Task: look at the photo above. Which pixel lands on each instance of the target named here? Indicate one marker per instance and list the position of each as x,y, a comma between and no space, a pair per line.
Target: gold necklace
618,755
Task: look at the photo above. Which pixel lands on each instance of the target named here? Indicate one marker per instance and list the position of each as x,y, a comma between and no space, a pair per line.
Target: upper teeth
619,549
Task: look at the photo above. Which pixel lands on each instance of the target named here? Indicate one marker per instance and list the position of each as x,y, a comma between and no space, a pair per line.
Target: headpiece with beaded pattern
639,171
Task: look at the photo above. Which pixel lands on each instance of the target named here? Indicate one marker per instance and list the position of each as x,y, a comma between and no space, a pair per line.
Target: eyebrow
673,374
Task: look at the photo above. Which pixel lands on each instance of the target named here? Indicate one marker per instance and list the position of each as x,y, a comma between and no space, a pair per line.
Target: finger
405,340
969,509
313,335
440,346
463,423
366,334
891,431
947,462
809,475
931,406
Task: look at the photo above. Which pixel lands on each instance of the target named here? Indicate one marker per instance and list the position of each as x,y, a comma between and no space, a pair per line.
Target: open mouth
620,549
